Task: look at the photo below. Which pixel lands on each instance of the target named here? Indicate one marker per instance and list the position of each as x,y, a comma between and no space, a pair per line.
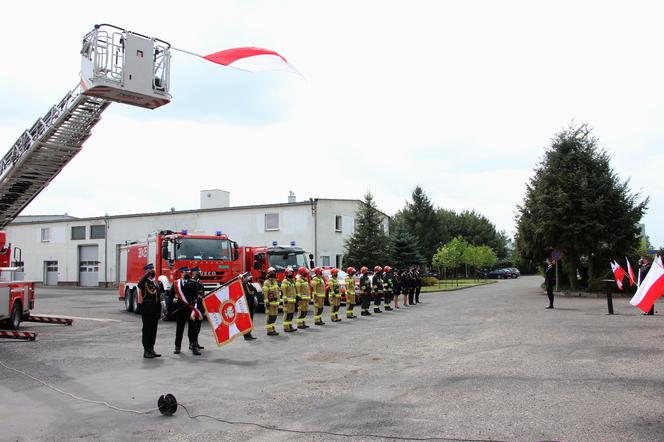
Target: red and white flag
618,274
630,273
228,312
651,288
252,60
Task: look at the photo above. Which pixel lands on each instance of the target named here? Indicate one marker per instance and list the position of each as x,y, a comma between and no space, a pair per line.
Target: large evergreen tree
575,203
422,222
369,244
404,248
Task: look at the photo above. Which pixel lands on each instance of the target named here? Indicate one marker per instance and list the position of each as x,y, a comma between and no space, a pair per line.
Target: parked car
514,272
499,274
433,275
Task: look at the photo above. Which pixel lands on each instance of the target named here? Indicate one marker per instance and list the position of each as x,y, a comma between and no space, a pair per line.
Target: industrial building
64,250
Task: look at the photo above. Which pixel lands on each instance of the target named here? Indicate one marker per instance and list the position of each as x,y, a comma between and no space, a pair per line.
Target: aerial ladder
116,66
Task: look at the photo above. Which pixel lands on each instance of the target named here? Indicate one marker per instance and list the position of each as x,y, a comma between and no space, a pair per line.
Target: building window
338,261
98,232
51,266
78,232
271,221
337,223
45,234
325,261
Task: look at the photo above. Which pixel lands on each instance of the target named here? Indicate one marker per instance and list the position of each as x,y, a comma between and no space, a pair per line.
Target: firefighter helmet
318,271
302,271
364,270
377,269
271,271
334,272
388,269
289,271
350,270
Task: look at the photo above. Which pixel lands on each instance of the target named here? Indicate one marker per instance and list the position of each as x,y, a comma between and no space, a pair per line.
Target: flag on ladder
228,312
630,273
618,274
651,288
252,60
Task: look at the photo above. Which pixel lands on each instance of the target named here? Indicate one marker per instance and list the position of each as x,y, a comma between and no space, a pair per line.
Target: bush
429,280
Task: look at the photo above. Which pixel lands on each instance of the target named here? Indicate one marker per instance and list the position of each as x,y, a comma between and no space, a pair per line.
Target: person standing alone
151,290
549,280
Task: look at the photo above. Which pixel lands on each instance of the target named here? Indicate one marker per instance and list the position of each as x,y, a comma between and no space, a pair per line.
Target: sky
460,98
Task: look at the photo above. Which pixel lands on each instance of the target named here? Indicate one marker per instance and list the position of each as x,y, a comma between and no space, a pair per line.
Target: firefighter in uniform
318,288
303,296
250,294
365,289
186,311
388,286
271,292
377,284
200,294
350,292
289,297
335,295
151,290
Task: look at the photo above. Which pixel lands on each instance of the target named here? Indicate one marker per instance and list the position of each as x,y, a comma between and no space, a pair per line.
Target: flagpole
187,52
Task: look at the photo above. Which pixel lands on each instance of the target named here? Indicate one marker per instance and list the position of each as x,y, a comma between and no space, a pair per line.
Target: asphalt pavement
484,363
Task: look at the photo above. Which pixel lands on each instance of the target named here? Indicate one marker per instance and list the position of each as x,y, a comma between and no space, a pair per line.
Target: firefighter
151,310
318,288
388,286
303,296
186,311
335,295
350,292
365,289
377,284
289,295
250,294
271,292
200,294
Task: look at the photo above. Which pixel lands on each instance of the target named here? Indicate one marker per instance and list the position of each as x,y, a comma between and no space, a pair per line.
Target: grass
447,284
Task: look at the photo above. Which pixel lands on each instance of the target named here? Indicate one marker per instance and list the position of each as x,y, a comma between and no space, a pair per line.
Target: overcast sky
458,97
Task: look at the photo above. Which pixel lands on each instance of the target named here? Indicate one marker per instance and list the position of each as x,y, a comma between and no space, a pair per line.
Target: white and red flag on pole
651,288
248,59
228,312
618,274
630,273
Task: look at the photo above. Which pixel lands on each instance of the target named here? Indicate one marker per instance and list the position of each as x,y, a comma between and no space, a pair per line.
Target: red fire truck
17,297
216,255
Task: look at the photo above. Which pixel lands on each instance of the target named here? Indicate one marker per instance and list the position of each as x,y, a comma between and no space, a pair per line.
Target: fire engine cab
216,255
16,295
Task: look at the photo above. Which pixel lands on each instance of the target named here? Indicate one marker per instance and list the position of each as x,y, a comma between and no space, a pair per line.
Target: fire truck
216,255
116,66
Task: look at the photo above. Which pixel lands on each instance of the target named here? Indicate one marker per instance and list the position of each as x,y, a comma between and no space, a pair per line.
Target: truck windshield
282,260
203,248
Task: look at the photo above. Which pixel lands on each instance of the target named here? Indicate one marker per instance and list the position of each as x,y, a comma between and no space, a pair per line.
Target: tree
404,248
451,255
368,245
576,203
421,221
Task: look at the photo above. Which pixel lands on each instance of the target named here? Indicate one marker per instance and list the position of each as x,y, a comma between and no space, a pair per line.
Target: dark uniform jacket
365,285
151,291
377,282
550,276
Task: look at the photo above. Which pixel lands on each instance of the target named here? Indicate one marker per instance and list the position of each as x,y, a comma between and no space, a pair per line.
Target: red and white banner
252,60
228,312
630,273
618,274
651,288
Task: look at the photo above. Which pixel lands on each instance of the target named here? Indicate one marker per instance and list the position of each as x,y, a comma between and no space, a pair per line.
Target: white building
85,251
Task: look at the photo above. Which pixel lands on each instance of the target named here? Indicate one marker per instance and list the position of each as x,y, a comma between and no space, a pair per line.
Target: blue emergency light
274,243
184,231
292,243
218,233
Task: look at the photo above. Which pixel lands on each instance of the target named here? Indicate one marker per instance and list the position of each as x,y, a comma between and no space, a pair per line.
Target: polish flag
630,273
252,60
228,312
651,288
618,273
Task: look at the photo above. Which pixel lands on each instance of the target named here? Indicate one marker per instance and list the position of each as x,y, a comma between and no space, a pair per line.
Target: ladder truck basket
125,67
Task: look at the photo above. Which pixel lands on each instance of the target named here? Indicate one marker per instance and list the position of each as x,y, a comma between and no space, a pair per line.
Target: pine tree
422,221
404,248
369,244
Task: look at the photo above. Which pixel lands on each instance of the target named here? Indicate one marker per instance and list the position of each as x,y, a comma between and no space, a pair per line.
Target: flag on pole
228,312
618,274
630,273
252,60
651,288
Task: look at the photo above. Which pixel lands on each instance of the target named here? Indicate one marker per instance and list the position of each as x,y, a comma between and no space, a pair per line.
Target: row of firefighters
185,300
384,286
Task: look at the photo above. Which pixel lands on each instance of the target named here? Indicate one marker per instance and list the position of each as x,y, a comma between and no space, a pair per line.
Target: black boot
177,350
155,354
148,354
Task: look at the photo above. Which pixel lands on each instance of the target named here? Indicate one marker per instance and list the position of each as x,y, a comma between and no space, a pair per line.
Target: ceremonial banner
228,312
252,60
651,288
618,273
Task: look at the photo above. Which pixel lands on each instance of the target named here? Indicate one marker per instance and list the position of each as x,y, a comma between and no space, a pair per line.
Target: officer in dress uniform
397,287
388,286
418,284
200,294
365,289
318,287
186,311
350,292
289,295
377,284
250,294
335,295
271,292
411,286
151,290
303,296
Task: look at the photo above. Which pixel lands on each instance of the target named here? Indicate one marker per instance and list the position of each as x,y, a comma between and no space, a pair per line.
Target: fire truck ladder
44,150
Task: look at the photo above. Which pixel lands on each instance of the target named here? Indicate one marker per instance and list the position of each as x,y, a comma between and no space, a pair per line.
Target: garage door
51,270
88,267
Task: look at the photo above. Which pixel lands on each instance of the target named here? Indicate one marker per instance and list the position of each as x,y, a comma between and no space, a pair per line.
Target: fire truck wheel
15,319
129,305
134,301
